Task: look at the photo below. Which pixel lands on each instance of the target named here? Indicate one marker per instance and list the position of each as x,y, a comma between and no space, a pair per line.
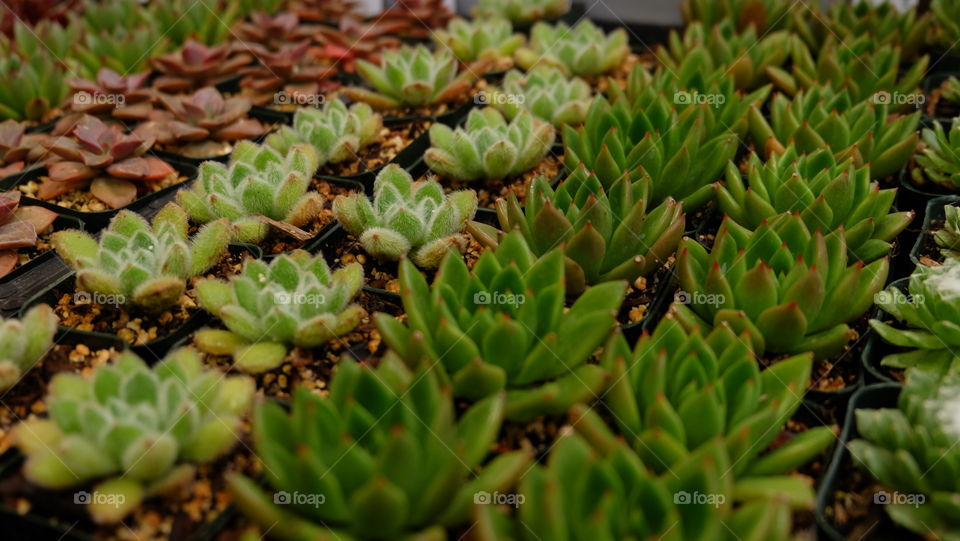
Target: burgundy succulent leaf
272,30
205,114
195,65
9,201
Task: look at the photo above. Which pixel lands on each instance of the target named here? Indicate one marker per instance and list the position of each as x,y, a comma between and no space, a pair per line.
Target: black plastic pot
151,351
876,348
916,198
872,397
95,220
406,158
935,212
932,82
663,296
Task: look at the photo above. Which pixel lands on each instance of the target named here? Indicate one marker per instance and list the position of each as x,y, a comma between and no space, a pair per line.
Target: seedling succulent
881,20
480,38
406,218
195,65
292,300
792,290
488,146
546,93
336,132
412,77
143,264
938,158
289,73
950,90
521,11
33,87
583,50
411,463
503,325
828,195
948,238
929,314
24,342
19,227
141,429
821,117
258,182
762,15
947,22
912,449
606,234
19,148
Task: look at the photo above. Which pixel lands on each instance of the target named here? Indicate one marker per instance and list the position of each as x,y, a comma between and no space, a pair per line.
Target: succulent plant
195,65
122,96
946,22
292,300
674,149
793,291
762,15
928,311
827,194
33,87
323,10
681,389
337,132
301,77
746,55
937,157
950,90
350,42
411,77
24,342
948,238
822,117
19,227
258,182
207,22
606,234
470,41
124,49
102,156
546,93
411,464
273,31
912,449
489,147
583,50
504,325
882,20
414,19
143,264
19,148
142,430
865,68
45,37
521,12
406,217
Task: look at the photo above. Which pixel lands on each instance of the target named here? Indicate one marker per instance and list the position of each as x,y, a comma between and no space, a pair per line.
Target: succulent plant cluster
488,146
481,38
912,449
793,291
605,234
412,77
546,93
411,463
946,16
828,196
143,264
289,71
503,325
24,342
336,132
258,182
520,11
195,66
882,20
19,227
406,218
139,431
948,237
762,15
822,117
583,50
938,158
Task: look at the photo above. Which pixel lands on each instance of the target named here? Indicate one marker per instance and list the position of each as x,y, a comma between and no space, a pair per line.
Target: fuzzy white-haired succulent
257,181
336,132
581,50
489,147
292,300
141,263
546,92
406,217
471,40
23,342
137,430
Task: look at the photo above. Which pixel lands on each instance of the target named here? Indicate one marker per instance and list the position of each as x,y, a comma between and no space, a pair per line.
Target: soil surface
391,141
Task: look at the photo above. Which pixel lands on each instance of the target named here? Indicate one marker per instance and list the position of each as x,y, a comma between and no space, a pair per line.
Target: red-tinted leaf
49,189
245,128
40,218
148,168
16,234
70,172
115,192
8,261
9,201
